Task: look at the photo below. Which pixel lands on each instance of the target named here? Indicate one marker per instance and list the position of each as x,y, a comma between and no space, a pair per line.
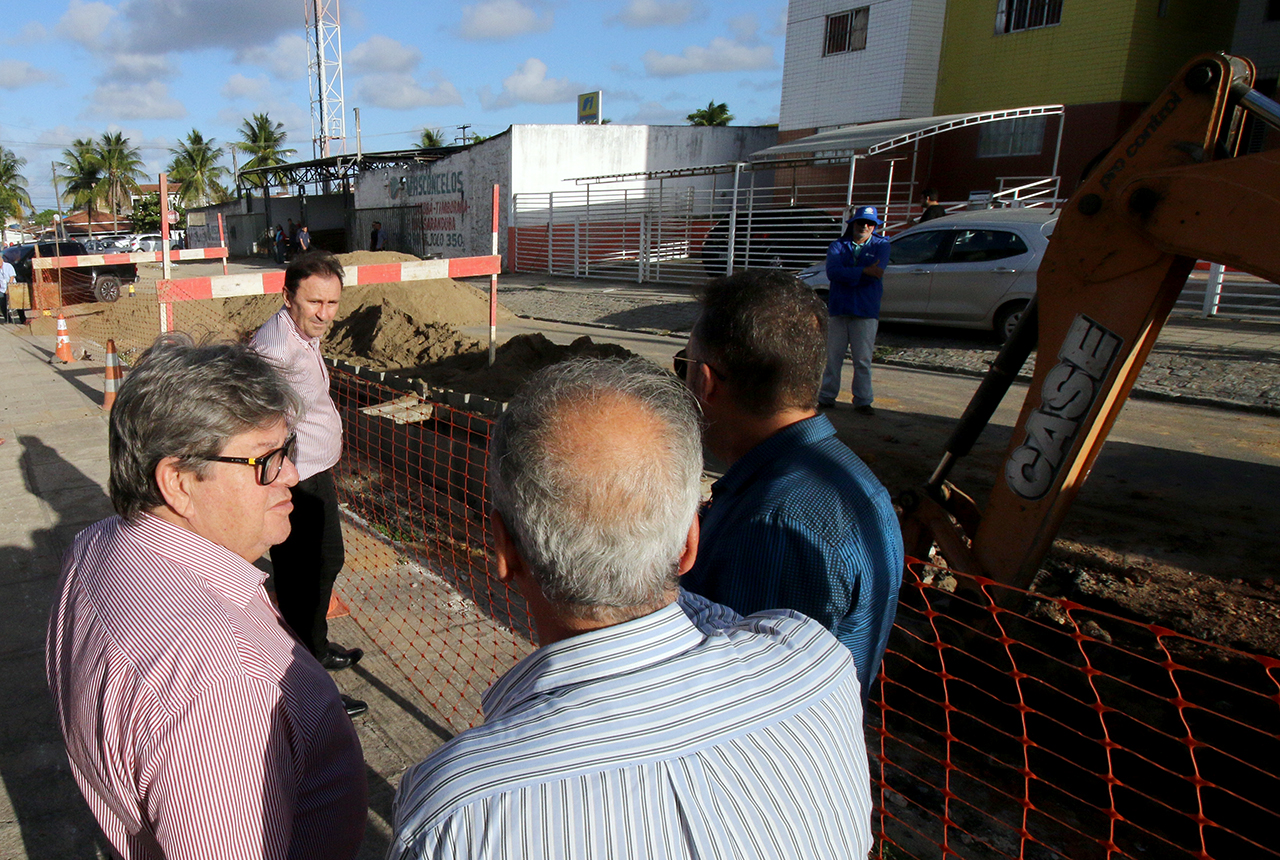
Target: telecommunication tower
324,48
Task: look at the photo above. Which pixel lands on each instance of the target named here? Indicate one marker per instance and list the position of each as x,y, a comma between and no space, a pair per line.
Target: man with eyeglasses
306,565
196,724
797,521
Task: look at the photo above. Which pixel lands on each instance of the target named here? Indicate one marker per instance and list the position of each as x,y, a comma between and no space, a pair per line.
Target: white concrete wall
894,77
1257,38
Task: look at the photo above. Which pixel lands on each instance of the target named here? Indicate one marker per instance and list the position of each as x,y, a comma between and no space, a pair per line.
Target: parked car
148,242
968,270
785,238
79,283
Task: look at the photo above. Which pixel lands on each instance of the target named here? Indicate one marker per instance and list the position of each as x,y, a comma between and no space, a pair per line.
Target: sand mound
382,336
370,258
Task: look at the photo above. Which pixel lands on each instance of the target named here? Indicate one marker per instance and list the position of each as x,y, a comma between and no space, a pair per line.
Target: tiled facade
892,78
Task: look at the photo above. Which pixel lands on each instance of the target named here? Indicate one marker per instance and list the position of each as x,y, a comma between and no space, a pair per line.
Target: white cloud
285,58
16,74
722,55
530,84
138,69
655,13
154,26
134,101
240,86
655,113
779,28
381,55
744,28
86,23
31,32
401,92
502,19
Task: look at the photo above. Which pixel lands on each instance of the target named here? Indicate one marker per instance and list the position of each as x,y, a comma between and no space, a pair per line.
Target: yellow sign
589,107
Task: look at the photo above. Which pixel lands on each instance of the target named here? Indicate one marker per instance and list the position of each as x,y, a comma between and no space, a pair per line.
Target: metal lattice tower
324,49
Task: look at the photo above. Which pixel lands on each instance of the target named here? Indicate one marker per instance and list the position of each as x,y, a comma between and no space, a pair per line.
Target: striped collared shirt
688,732
196,725
320,427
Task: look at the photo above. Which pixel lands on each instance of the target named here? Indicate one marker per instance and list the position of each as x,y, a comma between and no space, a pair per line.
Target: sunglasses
269,464
681,361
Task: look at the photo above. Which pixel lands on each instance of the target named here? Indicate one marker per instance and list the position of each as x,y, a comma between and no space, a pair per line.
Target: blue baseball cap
866,213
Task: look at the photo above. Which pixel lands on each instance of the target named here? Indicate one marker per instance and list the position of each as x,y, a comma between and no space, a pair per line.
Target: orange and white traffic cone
63,350
114,375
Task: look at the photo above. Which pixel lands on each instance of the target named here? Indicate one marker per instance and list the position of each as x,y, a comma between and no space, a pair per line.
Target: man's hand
873,270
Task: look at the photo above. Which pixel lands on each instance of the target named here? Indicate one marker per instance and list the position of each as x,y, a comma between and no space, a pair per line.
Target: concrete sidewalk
53,482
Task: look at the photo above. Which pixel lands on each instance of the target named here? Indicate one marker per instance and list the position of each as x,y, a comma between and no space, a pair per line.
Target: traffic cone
63,350
114,375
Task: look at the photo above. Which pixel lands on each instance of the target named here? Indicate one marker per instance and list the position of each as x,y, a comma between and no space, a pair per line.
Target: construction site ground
1174,524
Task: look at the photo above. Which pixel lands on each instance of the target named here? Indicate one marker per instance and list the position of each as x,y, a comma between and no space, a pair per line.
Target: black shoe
354,707
864,409
340,658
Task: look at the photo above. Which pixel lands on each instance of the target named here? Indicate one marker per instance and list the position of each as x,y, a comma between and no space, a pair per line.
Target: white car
967,270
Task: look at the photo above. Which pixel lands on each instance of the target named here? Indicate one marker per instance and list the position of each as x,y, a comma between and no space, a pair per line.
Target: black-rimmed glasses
270,463
681,361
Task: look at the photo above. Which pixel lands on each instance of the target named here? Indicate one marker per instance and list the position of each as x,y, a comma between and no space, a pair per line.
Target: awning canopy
873,137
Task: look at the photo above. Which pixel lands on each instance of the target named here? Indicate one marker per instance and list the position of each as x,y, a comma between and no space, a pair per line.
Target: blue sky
156,69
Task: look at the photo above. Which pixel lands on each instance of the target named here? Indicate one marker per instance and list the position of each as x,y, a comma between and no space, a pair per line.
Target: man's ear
709,387
690,553
175,485
510,564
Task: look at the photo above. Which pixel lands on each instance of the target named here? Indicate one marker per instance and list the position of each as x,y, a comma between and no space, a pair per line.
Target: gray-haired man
649,722
196,725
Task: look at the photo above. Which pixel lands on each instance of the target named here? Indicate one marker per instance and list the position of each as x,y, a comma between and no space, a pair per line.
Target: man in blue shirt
855,266
797,521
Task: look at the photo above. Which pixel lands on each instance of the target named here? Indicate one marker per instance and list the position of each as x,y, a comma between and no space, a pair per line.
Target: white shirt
7,276
673,735
319,429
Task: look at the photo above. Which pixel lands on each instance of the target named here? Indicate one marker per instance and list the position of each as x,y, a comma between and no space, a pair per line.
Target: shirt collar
800,434
608,652
223,570
292,328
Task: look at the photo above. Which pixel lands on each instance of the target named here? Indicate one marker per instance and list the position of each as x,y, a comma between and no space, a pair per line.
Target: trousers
857,335
306,565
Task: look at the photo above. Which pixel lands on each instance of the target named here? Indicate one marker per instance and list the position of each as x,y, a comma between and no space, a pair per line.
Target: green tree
712,114
146,214
430,139
195,167
44,218
81,174
14,199
263,140
121,169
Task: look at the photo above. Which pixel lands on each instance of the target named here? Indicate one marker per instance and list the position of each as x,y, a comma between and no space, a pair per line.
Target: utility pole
463,129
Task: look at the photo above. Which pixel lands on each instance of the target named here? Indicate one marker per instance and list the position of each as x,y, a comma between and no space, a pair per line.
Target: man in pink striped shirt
306,565
196,724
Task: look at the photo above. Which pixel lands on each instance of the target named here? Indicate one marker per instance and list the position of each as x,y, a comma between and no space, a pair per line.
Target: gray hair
187,401
602,534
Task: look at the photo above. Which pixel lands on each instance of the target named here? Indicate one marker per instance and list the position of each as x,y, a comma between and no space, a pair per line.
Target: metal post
1057,150
1213,290
222,241
587,267
577,246
166,265
551,231
658,259
493,285
848,195
888,192
733,220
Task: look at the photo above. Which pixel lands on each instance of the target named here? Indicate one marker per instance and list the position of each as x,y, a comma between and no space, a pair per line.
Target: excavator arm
1170,192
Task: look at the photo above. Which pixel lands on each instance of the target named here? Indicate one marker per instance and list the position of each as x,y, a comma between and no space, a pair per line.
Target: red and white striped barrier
133,257
260,283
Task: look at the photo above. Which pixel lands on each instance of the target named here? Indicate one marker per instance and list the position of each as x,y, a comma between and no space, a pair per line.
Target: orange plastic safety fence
1013,724
418,576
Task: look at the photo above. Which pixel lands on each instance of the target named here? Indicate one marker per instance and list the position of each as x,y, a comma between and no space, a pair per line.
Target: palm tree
430,139
264,142
712,114
14,198
82,173
195,166
121,169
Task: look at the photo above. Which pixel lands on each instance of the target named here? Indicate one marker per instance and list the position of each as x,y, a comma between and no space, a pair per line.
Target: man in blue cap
855,266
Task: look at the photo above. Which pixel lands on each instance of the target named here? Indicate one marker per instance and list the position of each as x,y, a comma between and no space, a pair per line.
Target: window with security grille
1021,136
1015,15
846,32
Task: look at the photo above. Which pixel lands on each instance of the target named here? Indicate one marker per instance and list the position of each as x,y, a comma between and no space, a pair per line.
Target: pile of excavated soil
514,361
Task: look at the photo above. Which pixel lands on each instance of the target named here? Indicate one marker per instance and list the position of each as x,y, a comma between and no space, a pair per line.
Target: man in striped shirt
797,521
306,565
649,723
197,726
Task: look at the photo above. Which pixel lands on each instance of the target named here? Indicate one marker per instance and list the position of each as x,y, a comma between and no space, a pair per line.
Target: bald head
595,470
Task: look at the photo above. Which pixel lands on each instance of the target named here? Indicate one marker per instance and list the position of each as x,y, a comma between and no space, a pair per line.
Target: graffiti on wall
440,200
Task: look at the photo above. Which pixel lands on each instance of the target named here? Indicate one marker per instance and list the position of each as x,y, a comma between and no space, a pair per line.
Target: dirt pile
377,334
514,361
